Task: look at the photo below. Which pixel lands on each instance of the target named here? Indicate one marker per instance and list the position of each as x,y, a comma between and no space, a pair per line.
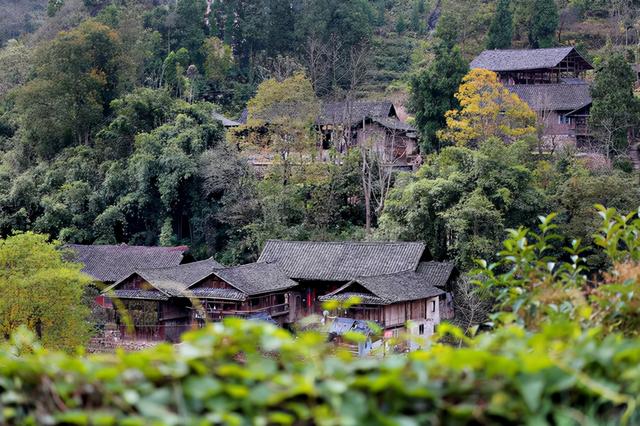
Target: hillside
106,132
18,17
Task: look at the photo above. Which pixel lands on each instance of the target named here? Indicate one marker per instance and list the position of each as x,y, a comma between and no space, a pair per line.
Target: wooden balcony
273,311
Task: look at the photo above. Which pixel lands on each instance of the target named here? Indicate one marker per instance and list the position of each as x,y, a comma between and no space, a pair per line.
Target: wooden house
106,264
552,82
344,125
243,291
150,303
415,299
163,303
322,268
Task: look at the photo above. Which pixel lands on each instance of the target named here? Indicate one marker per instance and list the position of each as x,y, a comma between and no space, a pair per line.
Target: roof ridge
387,274
346,242
124,245
564,84
177,266
529,50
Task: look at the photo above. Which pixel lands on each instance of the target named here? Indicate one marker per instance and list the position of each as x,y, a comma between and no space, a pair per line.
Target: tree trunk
366,186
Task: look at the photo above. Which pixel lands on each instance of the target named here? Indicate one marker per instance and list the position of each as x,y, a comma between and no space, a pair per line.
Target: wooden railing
275,310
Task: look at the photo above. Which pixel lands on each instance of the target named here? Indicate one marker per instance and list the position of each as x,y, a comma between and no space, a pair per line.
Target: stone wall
109,340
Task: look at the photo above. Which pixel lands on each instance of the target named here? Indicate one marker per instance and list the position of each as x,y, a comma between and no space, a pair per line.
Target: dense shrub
247,373
562,349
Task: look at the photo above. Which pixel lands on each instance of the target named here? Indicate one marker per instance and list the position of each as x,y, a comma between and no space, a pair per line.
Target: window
421,329
433,306
563,119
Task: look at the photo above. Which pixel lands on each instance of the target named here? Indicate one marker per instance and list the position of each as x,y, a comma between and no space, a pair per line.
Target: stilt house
161,304
552,82
374,270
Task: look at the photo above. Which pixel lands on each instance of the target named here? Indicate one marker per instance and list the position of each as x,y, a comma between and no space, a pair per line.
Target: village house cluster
347,124
551,81
160,293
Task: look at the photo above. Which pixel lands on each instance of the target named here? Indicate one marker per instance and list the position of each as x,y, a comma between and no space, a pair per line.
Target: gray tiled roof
553,97
330,112
171,281
437,273
394,124
216,293
524,59
343,112
256,278
226,122
399,287
174,280
365,298
139,294
109,263
341,261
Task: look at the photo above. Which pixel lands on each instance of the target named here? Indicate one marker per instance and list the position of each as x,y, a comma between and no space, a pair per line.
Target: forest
106,133
111,133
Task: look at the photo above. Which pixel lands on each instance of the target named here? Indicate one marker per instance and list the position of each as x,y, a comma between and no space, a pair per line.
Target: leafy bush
563,351
243,373
534,287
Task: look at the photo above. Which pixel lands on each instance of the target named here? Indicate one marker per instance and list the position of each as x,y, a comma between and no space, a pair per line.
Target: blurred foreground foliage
248,373
562,348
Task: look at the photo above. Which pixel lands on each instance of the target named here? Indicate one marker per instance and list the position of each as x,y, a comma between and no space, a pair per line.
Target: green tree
190,28
578,191
218,59
141,110
401,25
461,201
42,291
15,66
349,22
433,88
432,93
174,70
543,24
501,29
76,78
615,110
282,22
286,110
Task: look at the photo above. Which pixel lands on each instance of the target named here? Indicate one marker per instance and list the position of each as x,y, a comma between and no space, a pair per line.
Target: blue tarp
261,316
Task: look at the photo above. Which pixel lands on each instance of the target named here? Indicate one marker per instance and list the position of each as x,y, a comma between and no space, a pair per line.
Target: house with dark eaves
109,263
395,281
106,264
344,125
551,81
163,303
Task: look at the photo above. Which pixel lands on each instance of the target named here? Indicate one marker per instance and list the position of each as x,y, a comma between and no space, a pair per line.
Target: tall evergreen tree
433,88
615,109
190,29
543,24
501,29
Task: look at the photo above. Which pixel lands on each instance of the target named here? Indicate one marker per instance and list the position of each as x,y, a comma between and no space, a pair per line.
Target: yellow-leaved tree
280,121
487,109
39,289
